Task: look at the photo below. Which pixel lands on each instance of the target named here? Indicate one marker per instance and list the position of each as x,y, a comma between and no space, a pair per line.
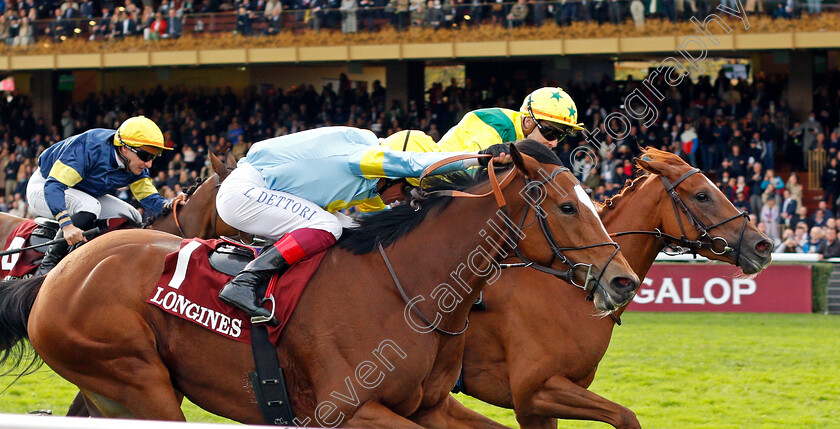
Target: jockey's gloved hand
496,150
179,199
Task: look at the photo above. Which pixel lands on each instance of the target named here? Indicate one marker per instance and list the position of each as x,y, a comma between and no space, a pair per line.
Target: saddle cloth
189,289
24,264
18,265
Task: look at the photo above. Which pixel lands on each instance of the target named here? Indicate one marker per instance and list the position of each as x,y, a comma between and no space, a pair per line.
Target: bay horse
199,209
90,322
530,314
195,217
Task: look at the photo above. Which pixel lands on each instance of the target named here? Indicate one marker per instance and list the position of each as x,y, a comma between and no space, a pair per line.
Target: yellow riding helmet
552,104
411,141
140,131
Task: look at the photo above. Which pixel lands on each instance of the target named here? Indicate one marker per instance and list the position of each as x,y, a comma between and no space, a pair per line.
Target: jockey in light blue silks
288,187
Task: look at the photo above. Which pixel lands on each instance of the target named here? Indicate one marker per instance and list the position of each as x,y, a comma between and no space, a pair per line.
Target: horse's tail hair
16,299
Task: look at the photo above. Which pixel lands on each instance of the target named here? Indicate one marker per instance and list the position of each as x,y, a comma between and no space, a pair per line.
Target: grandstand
761,76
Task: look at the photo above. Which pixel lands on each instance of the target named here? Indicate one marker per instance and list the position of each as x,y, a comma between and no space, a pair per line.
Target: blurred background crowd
740,134
23,22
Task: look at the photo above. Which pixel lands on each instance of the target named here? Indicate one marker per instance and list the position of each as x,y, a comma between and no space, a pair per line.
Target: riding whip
88,234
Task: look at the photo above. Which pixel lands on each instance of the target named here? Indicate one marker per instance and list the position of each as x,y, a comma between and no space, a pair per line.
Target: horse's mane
629,186
653,154
166,211
648,154
387,226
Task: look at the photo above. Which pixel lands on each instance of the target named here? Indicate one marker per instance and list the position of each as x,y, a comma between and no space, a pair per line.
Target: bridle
568,275
513,233
705,240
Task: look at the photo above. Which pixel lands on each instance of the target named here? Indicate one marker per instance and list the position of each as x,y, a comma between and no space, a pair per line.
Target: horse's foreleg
78,407
560,398
375,415
452,414
121,395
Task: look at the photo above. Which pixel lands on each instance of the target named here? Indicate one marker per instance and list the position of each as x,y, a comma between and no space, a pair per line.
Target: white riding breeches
247,204
104,207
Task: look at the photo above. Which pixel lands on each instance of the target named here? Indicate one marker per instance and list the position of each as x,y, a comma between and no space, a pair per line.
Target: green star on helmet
572,111
556,95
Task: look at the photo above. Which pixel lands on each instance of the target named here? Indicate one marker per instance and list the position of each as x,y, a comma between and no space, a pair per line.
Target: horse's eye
568,208
702,197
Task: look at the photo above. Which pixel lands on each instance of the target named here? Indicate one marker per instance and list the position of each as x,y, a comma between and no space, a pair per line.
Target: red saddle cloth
20,264
189,289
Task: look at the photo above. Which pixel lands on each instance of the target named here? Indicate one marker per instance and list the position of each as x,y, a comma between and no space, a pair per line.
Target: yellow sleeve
143,188
372,163
65,174
372,205
470,135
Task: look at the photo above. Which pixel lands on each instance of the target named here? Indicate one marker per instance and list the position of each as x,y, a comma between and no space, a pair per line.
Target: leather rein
418,195
716,244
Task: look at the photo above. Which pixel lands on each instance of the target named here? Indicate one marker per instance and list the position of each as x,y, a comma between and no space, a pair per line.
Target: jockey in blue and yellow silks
76,175
287,188
547,115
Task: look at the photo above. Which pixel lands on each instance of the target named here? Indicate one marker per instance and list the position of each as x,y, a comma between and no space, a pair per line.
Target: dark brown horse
538,345
354,352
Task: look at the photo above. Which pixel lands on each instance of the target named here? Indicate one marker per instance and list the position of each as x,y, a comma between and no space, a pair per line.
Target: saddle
45,230
27,233
230,259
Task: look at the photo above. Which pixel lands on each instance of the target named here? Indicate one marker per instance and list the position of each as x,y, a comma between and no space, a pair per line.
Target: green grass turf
674,370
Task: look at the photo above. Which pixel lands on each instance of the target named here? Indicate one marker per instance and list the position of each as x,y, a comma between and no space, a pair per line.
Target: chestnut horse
91,324
537,346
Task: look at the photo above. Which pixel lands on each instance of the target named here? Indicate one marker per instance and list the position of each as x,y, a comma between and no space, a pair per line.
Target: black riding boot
240,292
56,252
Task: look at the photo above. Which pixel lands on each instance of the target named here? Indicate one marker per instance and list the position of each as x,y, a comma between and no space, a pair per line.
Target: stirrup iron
265,319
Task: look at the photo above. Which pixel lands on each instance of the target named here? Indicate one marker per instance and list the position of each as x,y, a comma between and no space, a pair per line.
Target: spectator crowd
22,21
732,129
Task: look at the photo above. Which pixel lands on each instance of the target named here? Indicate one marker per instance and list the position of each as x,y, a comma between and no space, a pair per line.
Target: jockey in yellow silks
547,115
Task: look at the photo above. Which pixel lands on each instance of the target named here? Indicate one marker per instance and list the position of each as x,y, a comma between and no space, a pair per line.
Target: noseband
706,240
568,275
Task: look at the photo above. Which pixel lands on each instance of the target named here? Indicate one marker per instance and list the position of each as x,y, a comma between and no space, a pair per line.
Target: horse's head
197,216
560,229
697,212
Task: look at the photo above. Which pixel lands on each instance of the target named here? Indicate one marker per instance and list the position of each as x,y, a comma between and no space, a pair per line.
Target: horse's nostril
623,283
763,246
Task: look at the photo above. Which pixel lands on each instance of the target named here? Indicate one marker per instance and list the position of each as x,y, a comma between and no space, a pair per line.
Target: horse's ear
217,164
517,158
651,166
642,164
230,160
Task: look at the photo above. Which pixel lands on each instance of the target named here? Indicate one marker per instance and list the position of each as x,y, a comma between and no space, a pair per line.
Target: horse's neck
447,258
637,210
194,217
166,224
